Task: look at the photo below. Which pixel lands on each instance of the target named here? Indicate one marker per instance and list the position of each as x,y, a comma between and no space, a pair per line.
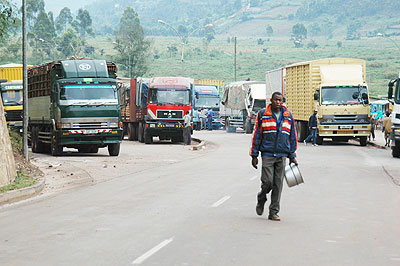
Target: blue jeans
313,135
209,122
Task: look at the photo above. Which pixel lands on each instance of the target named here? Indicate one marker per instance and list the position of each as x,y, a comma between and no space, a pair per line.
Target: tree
269,30
299,32
209,34
83,23
131,45
33,7
7,17
42,34
69,43
64,19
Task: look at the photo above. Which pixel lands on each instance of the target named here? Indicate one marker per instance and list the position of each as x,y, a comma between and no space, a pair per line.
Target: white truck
395,135
241,101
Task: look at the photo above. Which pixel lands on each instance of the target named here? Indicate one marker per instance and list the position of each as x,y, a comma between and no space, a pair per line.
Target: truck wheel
113,149
37,145
148,138
55,149
363,141
135,136
247,127
140,132
396,151
131,131
319,140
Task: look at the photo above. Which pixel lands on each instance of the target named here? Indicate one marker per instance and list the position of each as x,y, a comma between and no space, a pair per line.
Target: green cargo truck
74,104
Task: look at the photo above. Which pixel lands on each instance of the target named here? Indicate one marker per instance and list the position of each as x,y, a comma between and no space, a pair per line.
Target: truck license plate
170,125
90,131
346,127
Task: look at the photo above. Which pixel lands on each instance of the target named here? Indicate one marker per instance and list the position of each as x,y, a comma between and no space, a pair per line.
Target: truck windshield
207,102
168,96
90,94
258,105
12,97
343,95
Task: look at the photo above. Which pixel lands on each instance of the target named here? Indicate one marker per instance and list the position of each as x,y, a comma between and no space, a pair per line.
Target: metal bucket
292,175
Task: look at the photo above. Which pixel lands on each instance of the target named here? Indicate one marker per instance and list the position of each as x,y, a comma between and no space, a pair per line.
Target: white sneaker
315,144
305,143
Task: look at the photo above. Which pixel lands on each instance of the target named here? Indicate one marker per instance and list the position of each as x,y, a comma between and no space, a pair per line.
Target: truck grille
345,118
170,114
14,115
90,125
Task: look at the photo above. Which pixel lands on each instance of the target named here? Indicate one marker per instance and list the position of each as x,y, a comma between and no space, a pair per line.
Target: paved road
202,212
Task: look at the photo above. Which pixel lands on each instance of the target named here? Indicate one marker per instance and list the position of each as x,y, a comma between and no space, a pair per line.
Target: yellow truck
11,93
336,87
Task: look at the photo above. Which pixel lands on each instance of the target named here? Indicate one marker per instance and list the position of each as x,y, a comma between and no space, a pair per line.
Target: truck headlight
113,124
66,125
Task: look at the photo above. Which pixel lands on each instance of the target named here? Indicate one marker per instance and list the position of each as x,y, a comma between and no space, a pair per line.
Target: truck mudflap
344,130
89,136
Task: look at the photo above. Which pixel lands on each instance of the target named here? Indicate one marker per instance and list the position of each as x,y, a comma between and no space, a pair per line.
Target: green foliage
63,20
7,17
83,22
131,46
69,43
33,7
43,34
299,31
21,181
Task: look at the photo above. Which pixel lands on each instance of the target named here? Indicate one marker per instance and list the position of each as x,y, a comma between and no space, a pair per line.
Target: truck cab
206,97
395,135
12,97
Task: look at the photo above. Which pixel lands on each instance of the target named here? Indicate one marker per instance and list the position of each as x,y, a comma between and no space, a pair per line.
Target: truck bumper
157,128
344,130
89,137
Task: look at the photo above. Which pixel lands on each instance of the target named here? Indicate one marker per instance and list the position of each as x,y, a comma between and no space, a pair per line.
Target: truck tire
55,149
140,132
113,149
136,128
148,138
363,141
94,150
247,127
131,131
396,151
37,145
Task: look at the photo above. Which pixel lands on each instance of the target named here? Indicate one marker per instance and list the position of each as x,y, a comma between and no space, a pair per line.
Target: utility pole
234,60
25,82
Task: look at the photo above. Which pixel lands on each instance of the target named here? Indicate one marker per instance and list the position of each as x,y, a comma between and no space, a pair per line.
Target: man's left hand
293,160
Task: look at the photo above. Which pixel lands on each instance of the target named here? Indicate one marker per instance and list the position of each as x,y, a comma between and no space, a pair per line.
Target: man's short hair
277,93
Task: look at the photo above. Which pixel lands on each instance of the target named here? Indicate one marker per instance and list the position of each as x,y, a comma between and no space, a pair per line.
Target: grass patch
21,181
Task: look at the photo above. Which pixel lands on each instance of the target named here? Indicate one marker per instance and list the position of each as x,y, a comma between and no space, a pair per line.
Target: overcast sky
56,5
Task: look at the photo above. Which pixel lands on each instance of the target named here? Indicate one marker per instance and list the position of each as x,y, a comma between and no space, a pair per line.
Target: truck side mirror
364,96
197,95
390,90
316,96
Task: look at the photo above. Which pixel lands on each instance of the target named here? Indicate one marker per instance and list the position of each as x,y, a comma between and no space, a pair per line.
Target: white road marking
152,251
330,241
221,201
395,259
254,177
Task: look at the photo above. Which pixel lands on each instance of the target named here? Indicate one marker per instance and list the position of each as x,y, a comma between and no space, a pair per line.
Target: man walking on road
387,128
312,126
187,138
273,123
210,115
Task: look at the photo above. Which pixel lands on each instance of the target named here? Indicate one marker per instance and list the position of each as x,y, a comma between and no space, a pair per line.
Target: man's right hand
254,162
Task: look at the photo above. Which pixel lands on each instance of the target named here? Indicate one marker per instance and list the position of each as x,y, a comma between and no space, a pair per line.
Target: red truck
155,107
